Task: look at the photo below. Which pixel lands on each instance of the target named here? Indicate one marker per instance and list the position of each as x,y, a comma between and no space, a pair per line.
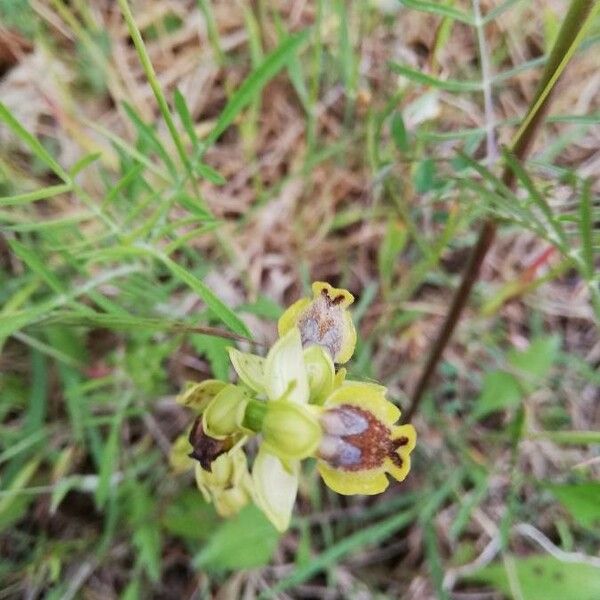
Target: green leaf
537,360
582,500
425,177
34,196
209,173
190,517
450,85
392,244
255,82
14,503
215,349
544,577
437,8
186,118
34,144
586,230
149,138
399,133
146,533
500,390
33,260
245,541
218,307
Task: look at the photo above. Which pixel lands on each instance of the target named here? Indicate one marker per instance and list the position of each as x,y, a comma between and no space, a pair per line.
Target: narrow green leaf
83,163
439,9
399,133
396,236
255,82
34,261
148,135
34,196
586,228
34,144
450,85
219,308
186,118
209,173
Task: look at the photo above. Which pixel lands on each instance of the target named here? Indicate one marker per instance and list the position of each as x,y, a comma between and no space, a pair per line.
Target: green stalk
136,36
571,32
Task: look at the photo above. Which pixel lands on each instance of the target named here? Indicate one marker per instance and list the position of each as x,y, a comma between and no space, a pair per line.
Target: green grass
148,221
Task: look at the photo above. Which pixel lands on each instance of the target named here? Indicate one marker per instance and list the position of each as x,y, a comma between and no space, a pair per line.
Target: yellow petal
348,340
318,287
290,317
367,396
408,435
353,482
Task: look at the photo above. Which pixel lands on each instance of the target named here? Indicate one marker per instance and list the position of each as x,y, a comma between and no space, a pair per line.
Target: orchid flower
300,407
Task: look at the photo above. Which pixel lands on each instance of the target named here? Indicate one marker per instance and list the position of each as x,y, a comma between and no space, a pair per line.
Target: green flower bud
224,415
290,430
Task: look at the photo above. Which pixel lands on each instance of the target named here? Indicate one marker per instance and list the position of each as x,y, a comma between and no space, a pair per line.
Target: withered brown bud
206,449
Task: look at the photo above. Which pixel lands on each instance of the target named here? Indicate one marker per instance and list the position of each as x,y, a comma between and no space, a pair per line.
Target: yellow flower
361,443
323,321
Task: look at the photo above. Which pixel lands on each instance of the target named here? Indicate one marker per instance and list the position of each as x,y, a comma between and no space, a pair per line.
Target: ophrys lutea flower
298,406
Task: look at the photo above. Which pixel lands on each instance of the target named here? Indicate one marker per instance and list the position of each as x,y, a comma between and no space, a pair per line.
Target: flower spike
298,405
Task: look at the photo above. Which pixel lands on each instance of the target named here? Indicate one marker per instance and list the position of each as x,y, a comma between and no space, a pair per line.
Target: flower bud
224,415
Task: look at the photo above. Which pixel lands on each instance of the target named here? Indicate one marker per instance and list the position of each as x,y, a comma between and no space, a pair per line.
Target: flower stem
569,36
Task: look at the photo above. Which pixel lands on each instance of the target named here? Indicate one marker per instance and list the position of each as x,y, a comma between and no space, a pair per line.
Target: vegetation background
171,164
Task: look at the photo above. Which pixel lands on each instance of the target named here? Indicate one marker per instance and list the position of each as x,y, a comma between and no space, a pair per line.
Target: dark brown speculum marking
206,449
369,448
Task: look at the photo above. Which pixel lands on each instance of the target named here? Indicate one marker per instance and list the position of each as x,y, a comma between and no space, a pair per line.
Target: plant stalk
569,36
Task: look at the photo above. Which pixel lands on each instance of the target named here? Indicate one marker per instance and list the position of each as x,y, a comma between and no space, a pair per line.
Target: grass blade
439,9
34,144
449,85
255,82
